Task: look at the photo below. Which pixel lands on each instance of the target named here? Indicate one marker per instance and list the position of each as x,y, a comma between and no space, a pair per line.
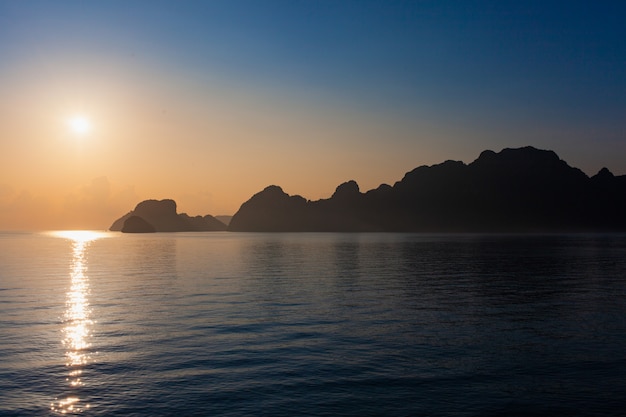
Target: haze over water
312,324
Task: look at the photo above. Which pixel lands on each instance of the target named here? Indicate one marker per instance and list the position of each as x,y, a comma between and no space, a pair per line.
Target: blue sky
406,82
562,55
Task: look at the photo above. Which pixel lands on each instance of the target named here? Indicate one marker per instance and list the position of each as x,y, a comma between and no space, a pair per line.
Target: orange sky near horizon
207,103
208,147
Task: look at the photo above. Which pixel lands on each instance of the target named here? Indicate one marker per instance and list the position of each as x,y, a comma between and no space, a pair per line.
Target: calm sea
236,324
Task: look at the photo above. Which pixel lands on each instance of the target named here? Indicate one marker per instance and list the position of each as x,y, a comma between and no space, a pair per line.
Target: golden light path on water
77,322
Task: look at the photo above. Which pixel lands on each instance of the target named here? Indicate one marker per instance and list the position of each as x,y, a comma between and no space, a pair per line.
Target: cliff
161,215
515,190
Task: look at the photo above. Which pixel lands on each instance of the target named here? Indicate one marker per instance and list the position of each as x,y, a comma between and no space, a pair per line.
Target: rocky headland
515,190
161,216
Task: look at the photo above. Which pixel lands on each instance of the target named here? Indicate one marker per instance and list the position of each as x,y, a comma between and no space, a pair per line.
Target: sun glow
80,236
79,125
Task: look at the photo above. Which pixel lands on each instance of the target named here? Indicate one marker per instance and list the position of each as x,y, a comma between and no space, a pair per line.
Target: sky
209,102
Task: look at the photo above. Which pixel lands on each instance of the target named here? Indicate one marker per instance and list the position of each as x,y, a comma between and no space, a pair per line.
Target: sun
79,125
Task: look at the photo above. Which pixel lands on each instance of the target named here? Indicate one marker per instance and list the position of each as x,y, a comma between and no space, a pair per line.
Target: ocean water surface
237,324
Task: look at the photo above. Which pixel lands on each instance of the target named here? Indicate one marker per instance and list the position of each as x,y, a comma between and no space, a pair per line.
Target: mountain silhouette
224,219
161,216
135,224
516,190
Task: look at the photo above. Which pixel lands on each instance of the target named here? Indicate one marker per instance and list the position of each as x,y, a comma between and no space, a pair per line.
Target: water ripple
313,324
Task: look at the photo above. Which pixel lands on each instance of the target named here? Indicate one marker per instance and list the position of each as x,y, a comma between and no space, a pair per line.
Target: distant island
515,190
161,216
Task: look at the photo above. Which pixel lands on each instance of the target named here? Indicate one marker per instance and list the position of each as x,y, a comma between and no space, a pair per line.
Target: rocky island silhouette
516,190
161,216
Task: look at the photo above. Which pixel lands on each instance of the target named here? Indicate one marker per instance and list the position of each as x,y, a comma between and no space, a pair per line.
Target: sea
312,324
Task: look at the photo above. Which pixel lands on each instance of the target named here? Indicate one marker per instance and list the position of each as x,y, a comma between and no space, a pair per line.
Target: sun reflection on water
77,322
